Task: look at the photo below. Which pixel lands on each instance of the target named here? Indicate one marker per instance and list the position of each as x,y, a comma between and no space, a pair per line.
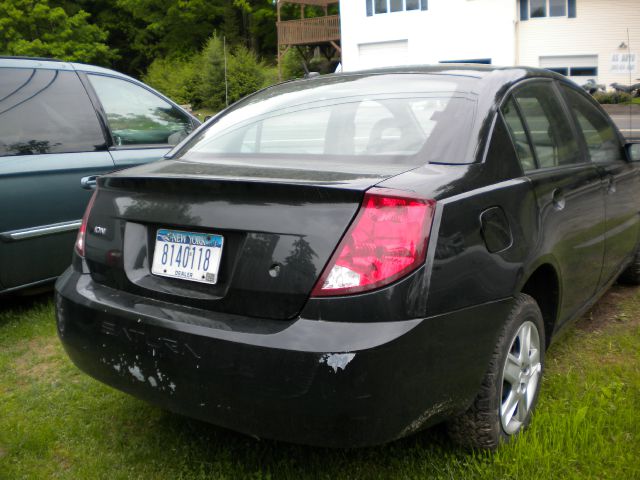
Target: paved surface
630,127
627,119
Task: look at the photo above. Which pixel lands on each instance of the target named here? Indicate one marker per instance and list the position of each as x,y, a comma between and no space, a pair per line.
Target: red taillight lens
82,233
387,240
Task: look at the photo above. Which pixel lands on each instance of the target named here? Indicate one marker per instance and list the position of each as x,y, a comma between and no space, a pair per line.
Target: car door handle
90,182
558,199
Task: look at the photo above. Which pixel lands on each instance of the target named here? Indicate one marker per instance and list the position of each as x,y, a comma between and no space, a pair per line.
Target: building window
538,8
380,6
583,72
386,6
576,71
547,8
557,8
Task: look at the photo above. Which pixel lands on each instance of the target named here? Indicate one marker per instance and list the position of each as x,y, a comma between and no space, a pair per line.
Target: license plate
187,255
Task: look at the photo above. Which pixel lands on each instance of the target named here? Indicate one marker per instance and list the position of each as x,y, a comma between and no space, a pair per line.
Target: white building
597,39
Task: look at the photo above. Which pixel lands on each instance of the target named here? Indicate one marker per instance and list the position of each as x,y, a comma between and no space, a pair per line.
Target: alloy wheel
520,377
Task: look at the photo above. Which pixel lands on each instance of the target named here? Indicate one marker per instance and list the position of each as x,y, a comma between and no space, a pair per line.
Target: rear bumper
305,381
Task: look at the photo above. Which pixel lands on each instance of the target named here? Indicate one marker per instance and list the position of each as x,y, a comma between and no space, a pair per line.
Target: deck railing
309,30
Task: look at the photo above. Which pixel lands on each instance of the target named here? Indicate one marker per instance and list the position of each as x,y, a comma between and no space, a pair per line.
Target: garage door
383,54
579,68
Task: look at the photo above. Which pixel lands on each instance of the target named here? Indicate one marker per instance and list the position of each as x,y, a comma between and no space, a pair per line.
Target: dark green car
61,125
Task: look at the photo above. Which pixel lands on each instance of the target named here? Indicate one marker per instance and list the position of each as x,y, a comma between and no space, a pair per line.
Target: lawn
56,422
203,113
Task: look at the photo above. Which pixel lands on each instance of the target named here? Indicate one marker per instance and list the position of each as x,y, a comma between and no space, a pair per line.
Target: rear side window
137,116
549,128
46,111
502,152
518,135
600,137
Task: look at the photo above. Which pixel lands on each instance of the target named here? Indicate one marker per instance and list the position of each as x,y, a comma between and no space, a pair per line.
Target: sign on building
624,63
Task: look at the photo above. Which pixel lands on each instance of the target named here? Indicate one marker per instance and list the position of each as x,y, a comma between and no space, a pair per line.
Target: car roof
490,78
55,64
471,69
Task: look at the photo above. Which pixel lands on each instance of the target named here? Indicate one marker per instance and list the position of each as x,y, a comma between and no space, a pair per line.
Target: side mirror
633,152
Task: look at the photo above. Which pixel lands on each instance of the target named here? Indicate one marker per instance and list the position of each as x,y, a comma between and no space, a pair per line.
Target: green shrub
245,73
322,65
200,80
176,78
608,98
270,75
292,65
293,61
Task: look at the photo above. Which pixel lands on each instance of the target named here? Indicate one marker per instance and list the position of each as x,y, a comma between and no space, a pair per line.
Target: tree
211,86
177,78
259,25
34,28
245,73
179,28
174,27
121,28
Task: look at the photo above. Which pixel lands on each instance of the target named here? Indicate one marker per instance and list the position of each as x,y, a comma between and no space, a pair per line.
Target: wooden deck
309,30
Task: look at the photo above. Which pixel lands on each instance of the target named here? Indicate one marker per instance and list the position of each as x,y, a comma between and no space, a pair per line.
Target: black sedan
346,260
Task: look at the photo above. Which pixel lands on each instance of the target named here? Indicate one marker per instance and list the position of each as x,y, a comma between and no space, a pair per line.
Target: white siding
371,55
449,30
475,29
599,29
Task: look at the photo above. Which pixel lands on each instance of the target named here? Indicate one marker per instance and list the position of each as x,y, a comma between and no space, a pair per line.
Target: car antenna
226,84
630,83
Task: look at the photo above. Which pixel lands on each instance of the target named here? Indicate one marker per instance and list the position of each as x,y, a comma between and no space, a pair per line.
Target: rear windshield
402,118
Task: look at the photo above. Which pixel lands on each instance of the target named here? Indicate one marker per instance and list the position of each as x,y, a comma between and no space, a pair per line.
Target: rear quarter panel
463,271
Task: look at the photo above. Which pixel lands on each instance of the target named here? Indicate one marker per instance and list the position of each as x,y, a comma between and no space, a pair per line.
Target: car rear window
409,118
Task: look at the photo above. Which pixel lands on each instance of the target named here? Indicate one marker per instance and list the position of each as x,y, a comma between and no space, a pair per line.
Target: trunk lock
274,271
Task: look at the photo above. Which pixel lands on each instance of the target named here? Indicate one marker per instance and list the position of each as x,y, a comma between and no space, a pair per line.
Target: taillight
82,233
387,240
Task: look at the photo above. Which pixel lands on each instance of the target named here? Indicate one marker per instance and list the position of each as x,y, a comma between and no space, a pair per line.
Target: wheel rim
520,377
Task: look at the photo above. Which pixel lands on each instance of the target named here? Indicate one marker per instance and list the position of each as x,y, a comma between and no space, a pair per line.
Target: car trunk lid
280,226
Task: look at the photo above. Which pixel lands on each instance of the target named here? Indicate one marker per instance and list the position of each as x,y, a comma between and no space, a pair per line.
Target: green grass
204,112
56,422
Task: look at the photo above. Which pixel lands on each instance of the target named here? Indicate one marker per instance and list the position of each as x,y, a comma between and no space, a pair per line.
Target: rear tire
509,390
631,276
